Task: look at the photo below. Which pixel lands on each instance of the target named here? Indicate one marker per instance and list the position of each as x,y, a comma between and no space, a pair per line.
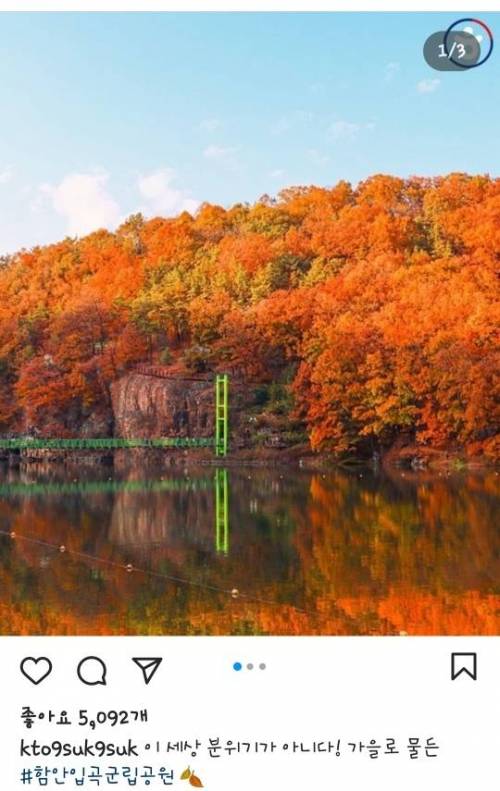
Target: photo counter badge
466,44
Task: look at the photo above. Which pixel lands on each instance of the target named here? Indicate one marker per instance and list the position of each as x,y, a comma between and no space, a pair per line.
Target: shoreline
410,457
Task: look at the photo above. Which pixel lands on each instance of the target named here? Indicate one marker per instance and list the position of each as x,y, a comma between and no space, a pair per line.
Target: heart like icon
36,670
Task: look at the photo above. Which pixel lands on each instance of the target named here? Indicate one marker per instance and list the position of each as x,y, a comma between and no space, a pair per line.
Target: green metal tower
221,414
221,511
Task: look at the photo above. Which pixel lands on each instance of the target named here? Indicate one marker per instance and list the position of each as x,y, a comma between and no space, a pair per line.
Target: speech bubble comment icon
92,671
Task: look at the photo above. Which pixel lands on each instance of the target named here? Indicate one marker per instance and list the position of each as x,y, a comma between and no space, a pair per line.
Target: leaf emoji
195,781
186,774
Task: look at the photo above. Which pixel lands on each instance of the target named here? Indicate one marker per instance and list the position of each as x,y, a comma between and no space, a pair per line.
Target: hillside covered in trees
373,309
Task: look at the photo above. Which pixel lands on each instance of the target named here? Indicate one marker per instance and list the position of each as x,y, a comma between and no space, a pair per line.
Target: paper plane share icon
149,666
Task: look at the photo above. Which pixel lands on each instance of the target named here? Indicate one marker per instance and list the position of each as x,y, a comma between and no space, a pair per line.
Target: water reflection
309,553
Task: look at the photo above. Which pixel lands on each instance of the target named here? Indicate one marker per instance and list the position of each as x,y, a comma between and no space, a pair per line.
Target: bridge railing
105,443
219,443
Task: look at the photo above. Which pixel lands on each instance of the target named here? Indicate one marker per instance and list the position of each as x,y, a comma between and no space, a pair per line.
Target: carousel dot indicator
237,666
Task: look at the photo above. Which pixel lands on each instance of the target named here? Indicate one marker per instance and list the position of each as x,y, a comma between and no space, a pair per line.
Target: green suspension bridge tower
221,414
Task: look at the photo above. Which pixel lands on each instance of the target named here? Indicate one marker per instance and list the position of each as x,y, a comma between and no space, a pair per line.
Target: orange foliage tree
382,301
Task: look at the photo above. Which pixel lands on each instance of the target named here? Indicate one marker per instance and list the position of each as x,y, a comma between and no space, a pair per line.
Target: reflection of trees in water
361,555
429,532
410,549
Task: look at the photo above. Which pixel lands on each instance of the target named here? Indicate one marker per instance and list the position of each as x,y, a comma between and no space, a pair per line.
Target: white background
316,688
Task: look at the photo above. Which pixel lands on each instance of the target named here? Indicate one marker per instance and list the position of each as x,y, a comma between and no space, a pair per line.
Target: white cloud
343,129
287,122
470,31
218,152
210,124
428,86
317,88
316,157
84,201
223,155
391,70
162,197
6,175
347,130
277,174
281,126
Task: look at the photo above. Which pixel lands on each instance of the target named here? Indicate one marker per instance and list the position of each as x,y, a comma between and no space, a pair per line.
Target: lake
248,551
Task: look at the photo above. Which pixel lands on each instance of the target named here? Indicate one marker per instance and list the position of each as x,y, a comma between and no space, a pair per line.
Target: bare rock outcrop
147,406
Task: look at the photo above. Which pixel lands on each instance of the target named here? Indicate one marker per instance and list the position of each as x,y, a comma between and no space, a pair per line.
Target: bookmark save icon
148,665
464,664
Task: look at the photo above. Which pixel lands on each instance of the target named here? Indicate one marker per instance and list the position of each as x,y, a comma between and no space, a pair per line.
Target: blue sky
107,114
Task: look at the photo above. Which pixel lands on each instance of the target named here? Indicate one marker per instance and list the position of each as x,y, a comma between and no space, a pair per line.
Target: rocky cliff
147,406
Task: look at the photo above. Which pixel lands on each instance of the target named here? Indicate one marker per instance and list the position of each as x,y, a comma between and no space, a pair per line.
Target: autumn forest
374,307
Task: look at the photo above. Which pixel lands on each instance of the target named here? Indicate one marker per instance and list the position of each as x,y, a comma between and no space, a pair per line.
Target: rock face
147,406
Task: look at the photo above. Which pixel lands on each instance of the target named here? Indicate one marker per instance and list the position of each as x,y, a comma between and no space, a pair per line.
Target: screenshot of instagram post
249,395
